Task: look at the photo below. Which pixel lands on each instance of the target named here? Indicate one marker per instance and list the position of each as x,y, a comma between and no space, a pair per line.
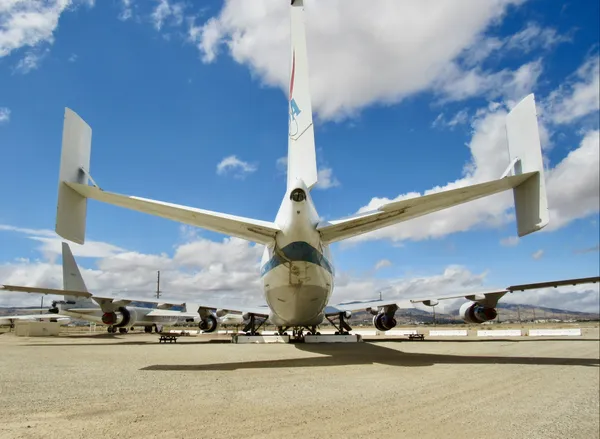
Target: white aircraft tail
72,279
74,168
531,203
302,160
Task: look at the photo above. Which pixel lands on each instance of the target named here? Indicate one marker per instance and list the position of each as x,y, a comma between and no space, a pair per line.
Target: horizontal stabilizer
39,290
404,210
262,232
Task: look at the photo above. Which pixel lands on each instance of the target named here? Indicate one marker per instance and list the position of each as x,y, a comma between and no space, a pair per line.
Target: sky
188,104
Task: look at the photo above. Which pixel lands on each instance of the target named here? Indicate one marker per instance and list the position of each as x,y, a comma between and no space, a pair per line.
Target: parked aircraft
481,307
116,313
297,269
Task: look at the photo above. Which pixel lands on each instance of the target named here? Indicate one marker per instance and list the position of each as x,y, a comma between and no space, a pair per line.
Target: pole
433,315
42,306
158,285
519,312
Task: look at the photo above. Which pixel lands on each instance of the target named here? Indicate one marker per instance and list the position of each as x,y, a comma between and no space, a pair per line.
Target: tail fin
72,279
531,204
74,168
302,161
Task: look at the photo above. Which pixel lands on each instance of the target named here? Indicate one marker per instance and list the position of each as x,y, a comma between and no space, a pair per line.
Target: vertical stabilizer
531,203
72,279
302,161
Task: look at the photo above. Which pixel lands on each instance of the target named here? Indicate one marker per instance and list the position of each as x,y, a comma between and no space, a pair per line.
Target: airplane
481,307
116,313
297,269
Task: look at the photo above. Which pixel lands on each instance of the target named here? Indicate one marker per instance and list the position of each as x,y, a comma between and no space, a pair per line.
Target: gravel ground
83,386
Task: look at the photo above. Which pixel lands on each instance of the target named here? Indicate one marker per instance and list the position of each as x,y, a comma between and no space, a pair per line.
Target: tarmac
130,386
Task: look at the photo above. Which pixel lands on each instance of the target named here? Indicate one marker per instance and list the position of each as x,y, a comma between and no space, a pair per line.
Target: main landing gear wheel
123,330
111,329
147,329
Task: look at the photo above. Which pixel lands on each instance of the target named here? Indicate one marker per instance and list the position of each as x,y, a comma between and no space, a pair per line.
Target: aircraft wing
357,306
491,298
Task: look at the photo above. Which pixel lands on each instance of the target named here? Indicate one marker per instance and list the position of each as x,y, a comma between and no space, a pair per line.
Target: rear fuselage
296,269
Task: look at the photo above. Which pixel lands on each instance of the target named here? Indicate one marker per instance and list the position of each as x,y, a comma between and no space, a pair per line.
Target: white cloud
228,271
326,179
166,10
281,164
73,57
382,264
31,60
510,241
573,185
459,118
348,43
29,23
538,254
126,10
239,167
4,114
579,96
51,244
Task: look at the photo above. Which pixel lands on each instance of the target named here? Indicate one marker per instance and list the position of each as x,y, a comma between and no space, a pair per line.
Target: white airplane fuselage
296,269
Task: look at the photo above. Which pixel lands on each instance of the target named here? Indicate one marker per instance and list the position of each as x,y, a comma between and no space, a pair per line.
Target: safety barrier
448,333
546,332
500,333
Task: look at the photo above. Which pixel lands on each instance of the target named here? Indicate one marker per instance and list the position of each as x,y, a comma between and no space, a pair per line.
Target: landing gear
298,331
123,330
147,329
253,325
111,329
343,328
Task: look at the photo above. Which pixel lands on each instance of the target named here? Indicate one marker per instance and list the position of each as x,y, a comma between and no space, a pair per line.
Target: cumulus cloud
509,241
573,185
348,44
31,60
227,271
165,10
126,10
579,96
237,167
29,23
326,179
538,254
382,264
4,114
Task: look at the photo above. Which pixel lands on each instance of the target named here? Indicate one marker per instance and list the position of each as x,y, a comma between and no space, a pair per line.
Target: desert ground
83,385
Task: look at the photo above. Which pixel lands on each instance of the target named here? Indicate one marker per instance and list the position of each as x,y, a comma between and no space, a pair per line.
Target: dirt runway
84,386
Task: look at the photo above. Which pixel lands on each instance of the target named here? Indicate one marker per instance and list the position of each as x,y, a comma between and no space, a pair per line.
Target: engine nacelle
384,322
208,324
475,313
122,318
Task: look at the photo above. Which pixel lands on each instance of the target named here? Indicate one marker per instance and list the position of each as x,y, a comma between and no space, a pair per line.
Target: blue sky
172,89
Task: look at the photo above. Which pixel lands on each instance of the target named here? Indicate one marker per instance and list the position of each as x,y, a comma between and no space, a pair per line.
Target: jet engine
124,317
208,323
475,313
384,322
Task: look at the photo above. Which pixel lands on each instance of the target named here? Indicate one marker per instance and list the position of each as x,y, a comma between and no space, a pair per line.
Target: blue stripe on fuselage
297,251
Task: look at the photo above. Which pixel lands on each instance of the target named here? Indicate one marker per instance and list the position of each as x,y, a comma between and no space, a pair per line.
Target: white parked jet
297,268
115,313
